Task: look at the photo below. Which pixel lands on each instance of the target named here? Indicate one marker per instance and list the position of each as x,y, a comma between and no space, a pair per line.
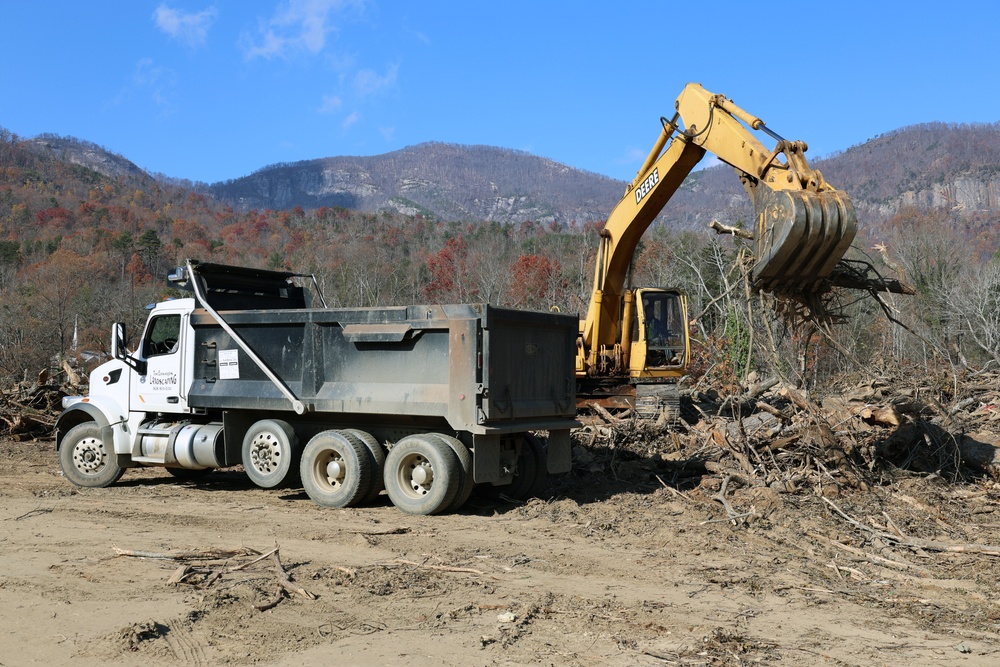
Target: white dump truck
424,402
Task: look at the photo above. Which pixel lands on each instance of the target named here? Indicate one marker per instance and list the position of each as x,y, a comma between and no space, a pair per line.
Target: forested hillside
85,243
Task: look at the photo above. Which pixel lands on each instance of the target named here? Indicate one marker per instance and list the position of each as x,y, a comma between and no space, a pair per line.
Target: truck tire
271,454
336,469
466,482
422,475
532,473
86,460
377,453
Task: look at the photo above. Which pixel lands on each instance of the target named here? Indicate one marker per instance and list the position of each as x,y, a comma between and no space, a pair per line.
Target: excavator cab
659,336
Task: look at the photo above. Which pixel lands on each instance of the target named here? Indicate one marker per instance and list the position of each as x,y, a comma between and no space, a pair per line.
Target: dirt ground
619,564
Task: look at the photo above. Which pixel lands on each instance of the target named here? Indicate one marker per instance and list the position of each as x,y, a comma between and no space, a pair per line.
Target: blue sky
213,90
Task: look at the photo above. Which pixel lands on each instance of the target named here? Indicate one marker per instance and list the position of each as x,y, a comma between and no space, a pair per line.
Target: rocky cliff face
446,181
87,155
962,193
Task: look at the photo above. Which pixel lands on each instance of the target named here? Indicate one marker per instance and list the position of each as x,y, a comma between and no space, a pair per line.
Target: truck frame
423,401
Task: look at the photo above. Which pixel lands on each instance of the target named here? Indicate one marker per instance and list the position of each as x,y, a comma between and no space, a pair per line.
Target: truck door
161,389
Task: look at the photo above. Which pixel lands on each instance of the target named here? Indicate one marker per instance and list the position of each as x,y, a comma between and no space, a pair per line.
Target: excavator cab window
663,328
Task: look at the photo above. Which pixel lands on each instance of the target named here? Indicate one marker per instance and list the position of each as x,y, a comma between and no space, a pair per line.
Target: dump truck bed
480,368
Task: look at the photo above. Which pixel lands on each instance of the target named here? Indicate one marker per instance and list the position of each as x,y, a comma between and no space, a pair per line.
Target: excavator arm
803,226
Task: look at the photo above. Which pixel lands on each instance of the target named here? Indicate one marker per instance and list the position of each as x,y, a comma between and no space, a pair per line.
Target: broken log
721,228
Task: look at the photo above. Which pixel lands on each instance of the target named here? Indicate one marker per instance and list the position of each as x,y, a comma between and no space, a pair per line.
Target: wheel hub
89,455
335,472
265,453
421,475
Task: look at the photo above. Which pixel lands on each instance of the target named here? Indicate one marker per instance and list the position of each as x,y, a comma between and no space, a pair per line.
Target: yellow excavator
634,345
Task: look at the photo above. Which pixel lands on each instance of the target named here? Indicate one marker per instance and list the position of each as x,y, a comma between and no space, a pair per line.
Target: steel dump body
478,368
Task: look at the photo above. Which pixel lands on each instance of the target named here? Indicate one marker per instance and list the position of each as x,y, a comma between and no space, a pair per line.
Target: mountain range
955,167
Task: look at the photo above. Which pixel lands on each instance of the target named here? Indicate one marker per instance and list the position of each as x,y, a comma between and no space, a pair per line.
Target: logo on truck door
647,185
163,380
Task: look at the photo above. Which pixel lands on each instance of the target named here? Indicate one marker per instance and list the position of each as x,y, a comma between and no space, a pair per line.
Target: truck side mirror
120,352
118,341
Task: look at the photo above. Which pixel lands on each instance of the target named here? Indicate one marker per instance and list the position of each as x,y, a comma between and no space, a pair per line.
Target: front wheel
271,454
86,460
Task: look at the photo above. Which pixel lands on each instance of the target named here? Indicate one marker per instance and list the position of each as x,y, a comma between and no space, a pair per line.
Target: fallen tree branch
731,514
402,530
237,568
721,228
286,582
871,558
440,568
211,554
203,576
603,412
917,542
279,595
34,512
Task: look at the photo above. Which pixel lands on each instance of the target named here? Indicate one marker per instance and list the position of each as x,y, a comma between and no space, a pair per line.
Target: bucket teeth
801,235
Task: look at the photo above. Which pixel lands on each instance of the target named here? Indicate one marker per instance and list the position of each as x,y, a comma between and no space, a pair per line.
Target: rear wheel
422,475
377,454
271,453
86,460
466,482
531,475
336,469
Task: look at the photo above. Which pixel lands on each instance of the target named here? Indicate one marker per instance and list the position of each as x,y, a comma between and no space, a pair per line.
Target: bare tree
974,303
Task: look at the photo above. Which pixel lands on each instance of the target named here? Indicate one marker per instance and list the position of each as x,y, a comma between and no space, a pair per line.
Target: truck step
154,431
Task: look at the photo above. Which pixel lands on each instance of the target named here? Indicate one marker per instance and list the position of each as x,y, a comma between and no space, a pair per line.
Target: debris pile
29,408
770,435
776,436
203,569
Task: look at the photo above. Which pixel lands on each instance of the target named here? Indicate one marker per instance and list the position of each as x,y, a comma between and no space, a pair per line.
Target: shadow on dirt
633,458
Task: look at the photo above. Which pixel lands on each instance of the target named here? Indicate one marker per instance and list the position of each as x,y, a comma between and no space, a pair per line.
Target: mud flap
559,452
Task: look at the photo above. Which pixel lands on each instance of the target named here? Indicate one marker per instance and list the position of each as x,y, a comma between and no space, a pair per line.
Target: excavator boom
802,225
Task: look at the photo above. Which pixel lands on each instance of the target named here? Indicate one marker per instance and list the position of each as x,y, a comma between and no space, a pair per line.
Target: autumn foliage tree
538,283
449,279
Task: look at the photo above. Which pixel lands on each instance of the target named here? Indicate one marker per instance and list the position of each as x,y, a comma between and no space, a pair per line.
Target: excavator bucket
801,235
